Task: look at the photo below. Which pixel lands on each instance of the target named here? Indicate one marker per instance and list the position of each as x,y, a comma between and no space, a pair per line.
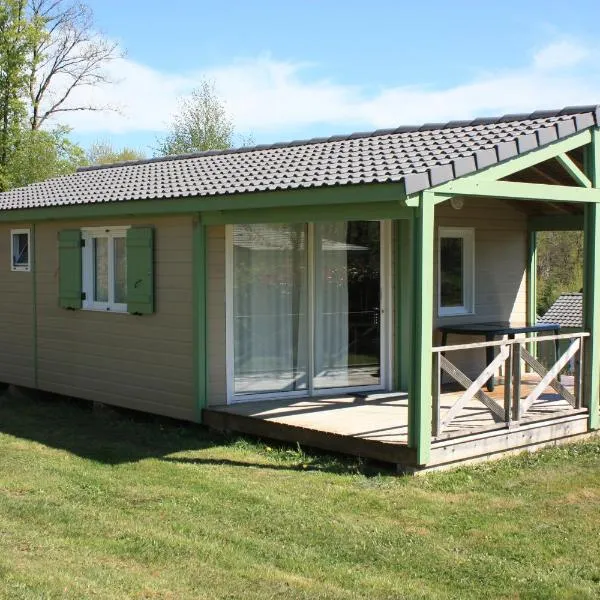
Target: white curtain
331,305
270,308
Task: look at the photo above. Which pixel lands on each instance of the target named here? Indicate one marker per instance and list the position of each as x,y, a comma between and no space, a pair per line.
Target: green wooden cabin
306,274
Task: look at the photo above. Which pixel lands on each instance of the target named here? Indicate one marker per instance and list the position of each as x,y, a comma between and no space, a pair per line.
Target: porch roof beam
292,214
438,198
556,223
521,191
573,170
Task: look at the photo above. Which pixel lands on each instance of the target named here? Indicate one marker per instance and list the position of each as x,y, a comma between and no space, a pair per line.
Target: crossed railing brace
511,353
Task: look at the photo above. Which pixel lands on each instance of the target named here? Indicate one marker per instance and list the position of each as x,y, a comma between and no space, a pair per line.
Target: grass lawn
106,505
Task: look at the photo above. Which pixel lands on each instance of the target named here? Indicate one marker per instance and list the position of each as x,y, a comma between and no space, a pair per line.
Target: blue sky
288,70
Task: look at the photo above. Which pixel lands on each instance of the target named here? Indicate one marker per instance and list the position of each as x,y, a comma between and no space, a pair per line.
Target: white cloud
560,55
266,96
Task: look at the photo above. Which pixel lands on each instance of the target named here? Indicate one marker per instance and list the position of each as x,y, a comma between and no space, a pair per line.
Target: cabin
371,294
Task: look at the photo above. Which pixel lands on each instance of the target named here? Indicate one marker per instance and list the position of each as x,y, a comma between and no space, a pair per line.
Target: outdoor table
494,330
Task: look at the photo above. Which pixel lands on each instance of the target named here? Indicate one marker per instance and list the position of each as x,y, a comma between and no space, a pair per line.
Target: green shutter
69,268
140,270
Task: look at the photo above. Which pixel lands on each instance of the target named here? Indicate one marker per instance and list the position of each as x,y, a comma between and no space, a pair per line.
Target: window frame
386,338
24,268
467,234
88,234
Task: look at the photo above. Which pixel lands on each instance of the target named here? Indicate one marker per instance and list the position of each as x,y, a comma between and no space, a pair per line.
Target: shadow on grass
115,436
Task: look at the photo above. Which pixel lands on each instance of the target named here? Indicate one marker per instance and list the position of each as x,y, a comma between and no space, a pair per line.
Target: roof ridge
539,114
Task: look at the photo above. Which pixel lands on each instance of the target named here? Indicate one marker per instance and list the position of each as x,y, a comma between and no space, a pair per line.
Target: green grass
113,505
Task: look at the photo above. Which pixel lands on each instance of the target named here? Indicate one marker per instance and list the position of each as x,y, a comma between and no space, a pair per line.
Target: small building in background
567,310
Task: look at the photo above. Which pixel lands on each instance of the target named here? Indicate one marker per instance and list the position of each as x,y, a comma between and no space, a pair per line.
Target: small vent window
20,250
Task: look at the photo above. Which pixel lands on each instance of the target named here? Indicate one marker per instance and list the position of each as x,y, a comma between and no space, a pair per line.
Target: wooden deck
376,427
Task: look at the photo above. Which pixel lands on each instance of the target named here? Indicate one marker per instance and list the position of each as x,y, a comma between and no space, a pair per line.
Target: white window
19,243
104,264
456,271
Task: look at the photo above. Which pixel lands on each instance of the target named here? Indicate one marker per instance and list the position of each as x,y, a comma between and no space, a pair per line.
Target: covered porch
432,406
524,411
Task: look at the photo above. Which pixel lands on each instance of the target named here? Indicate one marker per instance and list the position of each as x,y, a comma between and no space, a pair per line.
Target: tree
65,54
103,153
41,155
48,49
15,39
560,266
201,124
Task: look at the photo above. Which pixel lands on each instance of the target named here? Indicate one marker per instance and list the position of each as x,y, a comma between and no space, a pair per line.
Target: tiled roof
421,157
567,310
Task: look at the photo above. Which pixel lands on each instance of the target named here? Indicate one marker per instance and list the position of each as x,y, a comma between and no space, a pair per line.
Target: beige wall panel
139,362
500,270
16,316
217,371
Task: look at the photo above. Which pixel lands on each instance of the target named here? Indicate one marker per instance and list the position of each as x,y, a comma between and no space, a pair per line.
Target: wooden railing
512,354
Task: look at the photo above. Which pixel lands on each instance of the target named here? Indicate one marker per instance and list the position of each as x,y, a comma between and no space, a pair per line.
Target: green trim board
573,170
199,279
521,191
420,396
309,197
295,214
33,269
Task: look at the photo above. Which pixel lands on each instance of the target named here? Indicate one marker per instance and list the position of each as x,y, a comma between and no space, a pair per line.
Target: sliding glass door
270,319
305,308
347,304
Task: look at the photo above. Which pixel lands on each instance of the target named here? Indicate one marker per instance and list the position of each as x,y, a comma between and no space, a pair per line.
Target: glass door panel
270,313
347,304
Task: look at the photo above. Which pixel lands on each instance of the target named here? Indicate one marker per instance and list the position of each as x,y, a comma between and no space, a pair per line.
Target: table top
497,328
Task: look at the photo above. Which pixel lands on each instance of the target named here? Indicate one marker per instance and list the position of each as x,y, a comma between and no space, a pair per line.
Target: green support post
532,286
419,404
532,279
402,296
591,287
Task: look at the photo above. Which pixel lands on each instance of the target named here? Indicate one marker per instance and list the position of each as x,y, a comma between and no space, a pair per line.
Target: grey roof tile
421,156
565,128
527,143
485,158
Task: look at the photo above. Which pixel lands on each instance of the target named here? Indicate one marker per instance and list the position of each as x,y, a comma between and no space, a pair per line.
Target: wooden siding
215,307
139,362
500,269
16,316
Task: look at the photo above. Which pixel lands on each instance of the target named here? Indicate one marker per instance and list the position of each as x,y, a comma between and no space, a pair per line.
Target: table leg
489,357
